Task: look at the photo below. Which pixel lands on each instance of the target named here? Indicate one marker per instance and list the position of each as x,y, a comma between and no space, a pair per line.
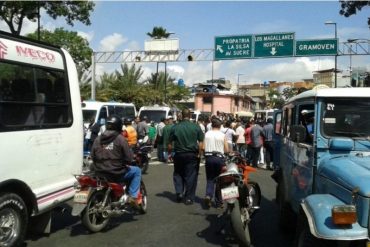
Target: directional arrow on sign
273,51
219,48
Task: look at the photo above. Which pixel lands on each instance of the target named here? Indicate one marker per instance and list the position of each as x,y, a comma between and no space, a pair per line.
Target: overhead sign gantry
271,45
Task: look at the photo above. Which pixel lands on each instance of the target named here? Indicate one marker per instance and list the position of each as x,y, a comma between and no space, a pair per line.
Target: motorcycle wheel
143,206
144,166
92,217
255,192
239,223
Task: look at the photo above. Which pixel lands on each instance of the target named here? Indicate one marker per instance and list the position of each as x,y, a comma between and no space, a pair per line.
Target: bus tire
287,218
13,219
304,238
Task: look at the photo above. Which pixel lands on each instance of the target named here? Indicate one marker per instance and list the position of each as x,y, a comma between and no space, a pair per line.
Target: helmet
114,123
127,121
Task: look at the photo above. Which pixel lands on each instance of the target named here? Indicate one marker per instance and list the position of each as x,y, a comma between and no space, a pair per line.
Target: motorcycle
142,154
97,200
242,195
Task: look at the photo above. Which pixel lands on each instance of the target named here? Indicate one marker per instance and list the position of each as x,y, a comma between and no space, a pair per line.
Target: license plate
368,244
81,196
229,193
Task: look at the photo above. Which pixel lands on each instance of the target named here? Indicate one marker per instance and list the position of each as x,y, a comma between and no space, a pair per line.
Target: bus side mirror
298,133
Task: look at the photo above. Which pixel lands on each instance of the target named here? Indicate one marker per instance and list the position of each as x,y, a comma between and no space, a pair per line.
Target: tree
289,92
367,80
161,83
351,7
159,33
276,99
14,12
77,46
123,86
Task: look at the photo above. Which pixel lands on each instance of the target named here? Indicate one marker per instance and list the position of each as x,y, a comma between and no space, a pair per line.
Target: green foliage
159,33
125,86
77,46
14,12
351,7
276,99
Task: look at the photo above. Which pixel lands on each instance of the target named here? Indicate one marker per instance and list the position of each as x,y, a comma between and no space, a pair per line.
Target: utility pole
336,55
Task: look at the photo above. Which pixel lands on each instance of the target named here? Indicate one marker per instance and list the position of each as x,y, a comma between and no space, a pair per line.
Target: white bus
41,134
156,113
102,110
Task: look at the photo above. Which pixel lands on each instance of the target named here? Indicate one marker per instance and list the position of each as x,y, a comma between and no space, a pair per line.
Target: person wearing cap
186,140
166,136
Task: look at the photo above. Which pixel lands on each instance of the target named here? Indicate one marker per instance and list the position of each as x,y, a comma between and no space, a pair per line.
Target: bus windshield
346,117
88,115
153,115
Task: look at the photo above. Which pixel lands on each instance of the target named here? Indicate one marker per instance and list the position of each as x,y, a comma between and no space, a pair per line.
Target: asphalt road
168,223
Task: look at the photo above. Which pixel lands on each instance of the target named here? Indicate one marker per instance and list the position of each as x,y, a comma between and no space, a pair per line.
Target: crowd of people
185,142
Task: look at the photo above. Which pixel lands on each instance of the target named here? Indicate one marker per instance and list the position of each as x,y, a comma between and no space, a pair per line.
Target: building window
207,100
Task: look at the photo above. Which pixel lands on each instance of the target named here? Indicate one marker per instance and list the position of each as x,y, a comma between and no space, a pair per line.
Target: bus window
38,95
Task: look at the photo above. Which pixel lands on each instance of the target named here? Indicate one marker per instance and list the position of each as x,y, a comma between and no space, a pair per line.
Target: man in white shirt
215,145
229,133
240,142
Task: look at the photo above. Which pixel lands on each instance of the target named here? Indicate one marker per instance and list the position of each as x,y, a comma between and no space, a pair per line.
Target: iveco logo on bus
35,54
3,49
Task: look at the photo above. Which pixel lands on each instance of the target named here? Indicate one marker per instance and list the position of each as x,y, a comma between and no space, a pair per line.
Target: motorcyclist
111,157
130,133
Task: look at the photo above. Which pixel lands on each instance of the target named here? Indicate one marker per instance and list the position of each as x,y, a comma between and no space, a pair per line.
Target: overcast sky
122,25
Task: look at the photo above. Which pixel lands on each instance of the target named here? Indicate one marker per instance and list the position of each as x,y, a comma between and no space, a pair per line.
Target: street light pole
237,88
336,54
238,83
350,62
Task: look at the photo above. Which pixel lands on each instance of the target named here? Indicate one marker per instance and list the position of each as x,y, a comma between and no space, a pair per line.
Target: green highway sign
233,47
274,45
316,47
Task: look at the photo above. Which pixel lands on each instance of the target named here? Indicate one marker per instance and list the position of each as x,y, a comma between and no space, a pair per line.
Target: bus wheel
13,219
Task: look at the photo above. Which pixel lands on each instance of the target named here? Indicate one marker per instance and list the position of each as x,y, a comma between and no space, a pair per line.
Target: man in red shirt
248,140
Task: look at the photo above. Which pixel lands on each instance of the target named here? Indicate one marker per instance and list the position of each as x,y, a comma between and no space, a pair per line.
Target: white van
263,115
40,134
102,110
156,113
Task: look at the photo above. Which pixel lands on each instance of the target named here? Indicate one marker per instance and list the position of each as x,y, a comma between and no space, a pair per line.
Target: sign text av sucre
239,46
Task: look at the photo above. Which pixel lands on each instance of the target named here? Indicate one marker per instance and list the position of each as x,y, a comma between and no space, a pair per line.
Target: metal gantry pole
165,82
93,76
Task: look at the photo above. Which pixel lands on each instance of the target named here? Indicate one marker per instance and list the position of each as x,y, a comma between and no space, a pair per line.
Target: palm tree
159,33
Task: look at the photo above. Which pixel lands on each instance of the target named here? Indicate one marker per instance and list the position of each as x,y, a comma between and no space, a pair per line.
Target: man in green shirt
166,137
187,139
152,132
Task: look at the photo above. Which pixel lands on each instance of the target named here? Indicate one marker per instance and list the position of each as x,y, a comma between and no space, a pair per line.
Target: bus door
300,150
